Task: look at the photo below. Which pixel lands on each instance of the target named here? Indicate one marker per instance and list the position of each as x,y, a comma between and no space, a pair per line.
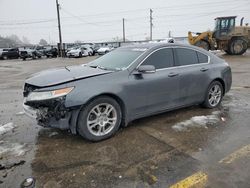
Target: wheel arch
117,99
222,83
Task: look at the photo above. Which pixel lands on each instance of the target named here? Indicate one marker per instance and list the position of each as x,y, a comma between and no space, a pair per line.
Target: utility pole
151,24
123,29
59,29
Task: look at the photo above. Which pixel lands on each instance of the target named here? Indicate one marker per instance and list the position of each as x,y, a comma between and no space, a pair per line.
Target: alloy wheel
214,95
101,119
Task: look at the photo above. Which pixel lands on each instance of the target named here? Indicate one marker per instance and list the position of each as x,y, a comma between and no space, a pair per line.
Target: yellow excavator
234,40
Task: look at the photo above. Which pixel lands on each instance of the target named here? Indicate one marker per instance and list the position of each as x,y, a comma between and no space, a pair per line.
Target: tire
237,46
80,54
228,52
90,116
203,44
213,97
24,58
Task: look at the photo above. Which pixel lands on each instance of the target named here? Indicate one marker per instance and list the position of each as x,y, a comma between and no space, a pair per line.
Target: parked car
77,52
30,53
50,52
104,50
88,49
9,53
128,83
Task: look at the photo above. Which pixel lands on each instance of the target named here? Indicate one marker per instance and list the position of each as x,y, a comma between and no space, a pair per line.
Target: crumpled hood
61,75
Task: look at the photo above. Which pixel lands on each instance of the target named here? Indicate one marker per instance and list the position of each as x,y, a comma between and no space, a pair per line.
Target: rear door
194,71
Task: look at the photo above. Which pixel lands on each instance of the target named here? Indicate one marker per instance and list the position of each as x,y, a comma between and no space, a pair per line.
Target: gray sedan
131,82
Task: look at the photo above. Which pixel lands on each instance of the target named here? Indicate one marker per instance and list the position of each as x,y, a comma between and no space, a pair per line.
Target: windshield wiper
93,66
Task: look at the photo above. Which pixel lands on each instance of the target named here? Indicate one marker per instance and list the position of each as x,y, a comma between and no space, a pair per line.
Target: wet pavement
191,146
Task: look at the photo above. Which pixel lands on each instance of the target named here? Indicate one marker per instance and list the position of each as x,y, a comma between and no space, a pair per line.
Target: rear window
186,56
202,57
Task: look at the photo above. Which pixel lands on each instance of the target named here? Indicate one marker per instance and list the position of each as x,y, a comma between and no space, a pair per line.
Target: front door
158,91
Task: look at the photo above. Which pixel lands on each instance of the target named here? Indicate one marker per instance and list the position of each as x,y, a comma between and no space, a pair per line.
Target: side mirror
146,69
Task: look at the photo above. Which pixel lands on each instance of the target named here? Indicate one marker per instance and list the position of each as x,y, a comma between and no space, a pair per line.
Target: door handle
203,69
173,74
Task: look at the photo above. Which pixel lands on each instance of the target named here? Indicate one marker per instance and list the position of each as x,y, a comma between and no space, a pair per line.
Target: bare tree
43,42
25,40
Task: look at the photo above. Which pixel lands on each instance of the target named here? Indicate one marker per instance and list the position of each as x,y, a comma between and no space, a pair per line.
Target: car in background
89,49
9,53
78,52
30,53
131,82
104,50
50,52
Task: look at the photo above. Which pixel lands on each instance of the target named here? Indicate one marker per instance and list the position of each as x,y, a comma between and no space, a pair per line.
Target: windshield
117,60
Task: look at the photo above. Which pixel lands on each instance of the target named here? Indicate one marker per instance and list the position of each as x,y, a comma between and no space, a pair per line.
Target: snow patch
20,113
12,149
198,122
6,128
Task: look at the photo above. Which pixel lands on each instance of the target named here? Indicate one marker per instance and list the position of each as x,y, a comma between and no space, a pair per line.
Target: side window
202,57
162,58
186,56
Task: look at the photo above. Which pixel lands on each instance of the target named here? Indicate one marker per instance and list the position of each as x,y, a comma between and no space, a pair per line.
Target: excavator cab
223,26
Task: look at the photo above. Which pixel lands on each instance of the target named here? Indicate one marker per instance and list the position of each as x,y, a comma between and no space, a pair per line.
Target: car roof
160,45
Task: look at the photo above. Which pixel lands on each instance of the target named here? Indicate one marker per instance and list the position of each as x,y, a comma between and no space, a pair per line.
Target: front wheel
100,119
214,95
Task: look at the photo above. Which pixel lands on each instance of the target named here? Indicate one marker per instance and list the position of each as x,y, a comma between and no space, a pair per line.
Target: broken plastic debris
223,119
28,183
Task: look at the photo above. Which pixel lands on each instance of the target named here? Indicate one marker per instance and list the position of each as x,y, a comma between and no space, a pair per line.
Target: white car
77,52
88,49
104,50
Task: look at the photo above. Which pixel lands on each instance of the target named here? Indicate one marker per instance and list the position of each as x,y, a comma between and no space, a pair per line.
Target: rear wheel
203,44
237,46
100,119
80,54
214,95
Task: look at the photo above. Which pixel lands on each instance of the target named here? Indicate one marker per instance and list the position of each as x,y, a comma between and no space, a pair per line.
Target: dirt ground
191,146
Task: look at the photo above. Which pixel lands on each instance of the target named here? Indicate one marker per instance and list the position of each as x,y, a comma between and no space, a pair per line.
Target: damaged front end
48,107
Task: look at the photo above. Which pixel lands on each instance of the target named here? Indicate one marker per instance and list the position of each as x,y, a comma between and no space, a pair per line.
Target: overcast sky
95,21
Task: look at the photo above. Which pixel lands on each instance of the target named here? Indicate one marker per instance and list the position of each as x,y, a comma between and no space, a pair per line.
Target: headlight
45,95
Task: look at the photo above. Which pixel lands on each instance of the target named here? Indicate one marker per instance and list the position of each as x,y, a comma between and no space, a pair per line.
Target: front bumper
72,55
29,111
55,117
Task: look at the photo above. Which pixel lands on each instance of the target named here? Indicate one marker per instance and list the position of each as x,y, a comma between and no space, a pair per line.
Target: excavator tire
237,46
203,44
